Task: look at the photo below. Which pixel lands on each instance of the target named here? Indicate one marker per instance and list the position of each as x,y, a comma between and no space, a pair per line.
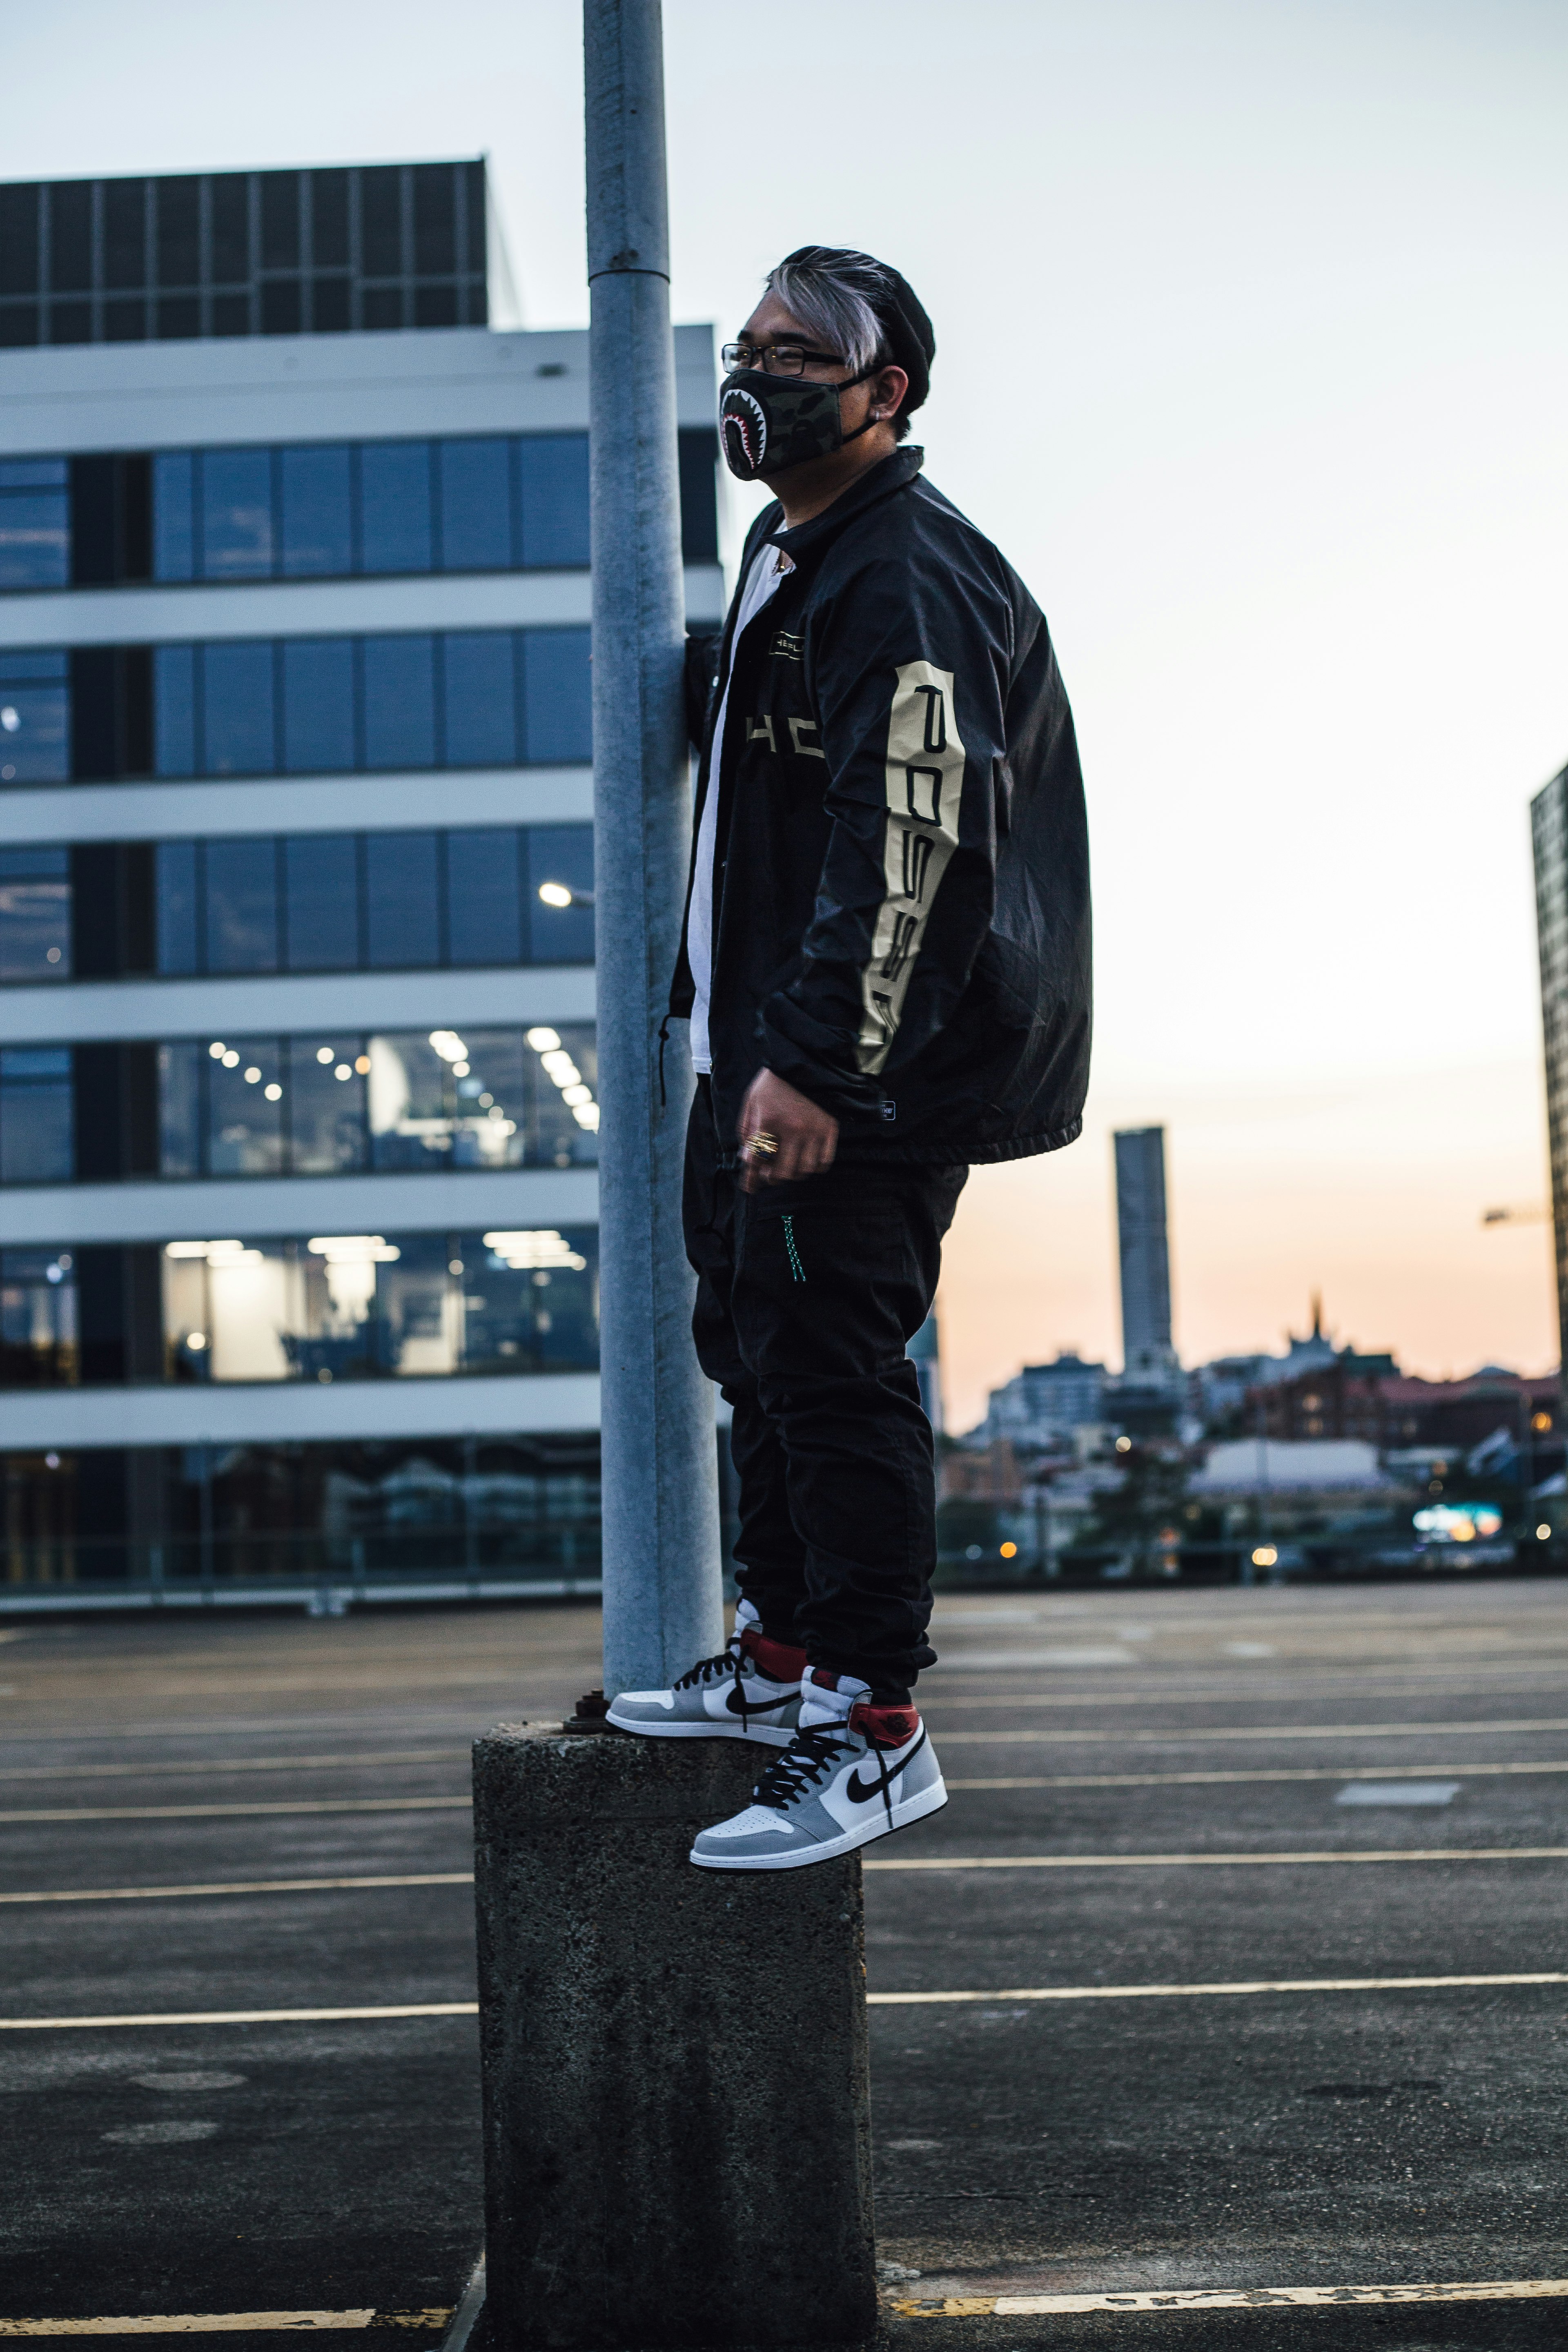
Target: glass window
174,710
252,1304
318,536
173,536
558,696
564,1088
560,857
530,1299
186,1320
34,719
38,1132
35,527
401,899
236,502
399,702
449,1099
492,1080
480,698
321,873
178,942
242,905
180,1108
318,705
553,472
475,506
35,914
395,506
484,910
326,1096
37,1318
418,1307
237,718
412,1100
337,1335
244,1108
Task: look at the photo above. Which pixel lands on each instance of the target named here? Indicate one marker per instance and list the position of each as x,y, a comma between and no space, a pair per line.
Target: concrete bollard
677,2136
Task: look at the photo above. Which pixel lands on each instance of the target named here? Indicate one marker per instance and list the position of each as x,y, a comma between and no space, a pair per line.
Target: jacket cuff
809,1057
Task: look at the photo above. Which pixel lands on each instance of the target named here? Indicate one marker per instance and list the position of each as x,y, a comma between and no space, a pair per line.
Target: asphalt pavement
1158,2018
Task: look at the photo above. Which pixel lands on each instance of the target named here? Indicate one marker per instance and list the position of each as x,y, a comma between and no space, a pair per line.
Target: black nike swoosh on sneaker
738,1704
855,1790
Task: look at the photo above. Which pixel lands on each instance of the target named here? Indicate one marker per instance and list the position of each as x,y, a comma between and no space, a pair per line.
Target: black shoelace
729,1661
809,1755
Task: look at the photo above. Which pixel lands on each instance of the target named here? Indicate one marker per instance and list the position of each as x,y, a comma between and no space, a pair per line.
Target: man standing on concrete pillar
886,969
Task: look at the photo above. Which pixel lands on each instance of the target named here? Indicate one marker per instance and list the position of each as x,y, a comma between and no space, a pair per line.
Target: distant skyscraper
1549,830
1148,1356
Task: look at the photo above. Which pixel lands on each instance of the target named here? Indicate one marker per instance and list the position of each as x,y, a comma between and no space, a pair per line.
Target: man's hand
806,1135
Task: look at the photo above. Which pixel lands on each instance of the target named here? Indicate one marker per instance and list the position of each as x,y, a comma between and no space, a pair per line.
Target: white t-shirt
768,567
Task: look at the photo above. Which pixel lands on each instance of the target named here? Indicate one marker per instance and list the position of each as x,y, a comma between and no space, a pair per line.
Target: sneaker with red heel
852,1772
751,1690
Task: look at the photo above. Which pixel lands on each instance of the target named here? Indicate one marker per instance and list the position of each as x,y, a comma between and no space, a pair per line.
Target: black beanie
903,321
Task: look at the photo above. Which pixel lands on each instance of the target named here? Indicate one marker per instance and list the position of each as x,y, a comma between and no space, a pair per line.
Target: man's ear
888,388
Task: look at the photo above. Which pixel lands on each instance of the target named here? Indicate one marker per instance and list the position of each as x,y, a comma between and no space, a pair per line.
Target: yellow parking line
207,1766
938,1861
1243,2298
1194,1991
875,1999
243,1886
226,2323
228,1812
1228,1860
1472,1730
247,2016
1283,1773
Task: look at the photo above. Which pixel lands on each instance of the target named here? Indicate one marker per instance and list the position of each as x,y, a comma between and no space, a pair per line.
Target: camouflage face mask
769,422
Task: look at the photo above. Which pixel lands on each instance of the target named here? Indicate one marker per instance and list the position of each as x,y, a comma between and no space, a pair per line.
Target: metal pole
662,1592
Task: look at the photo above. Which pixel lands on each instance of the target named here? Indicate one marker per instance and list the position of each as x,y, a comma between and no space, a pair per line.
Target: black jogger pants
808,1295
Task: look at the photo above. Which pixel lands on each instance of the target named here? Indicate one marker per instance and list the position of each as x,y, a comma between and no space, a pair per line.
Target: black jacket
901,905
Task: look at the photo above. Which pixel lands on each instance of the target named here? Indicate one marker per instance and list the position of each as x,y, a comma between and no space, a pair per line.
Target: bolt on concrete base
677,2135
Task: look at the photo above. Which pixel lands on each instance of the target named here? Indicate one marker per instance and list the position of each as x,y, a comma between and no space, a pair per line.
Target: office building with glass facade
298,1088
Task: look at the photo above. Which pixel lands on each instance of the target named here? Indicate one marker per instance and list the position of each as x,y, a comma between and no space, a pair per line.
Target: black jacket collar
889,475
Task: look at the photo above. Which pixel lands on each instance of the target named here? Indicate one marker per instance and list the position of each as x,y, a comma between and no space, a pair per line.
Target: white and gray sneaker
750,1691
852,1772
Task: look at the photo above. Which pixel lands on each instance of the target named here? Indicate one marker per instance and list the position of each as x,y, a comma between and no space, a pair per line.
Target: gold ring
763,1142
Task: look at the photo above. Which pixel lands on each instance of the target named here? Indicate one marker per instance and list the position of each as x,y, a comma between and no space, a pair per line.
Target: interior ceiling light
543,1041
448,1045
525,1252
353,1249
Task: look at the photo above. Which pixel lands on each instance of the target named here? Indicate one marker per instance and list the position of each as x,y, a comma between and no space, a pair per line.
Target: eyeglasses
776,359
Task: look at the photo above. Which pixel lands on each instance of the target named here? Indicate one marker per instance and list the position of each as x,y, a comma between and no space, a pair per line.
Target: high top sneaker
750,1691
852,1772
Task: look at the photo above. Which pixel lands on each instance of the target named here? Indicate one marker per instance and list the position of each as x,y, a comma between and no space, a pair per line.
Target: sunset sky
1253,356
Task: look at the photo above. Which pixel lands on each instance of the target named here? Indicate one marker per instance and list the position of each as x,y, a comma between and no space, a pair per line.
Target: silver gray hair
831,306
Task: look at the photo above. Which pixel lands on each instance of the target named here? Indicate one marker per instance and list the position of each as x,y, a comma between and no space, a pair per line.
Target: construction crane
1532,1213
